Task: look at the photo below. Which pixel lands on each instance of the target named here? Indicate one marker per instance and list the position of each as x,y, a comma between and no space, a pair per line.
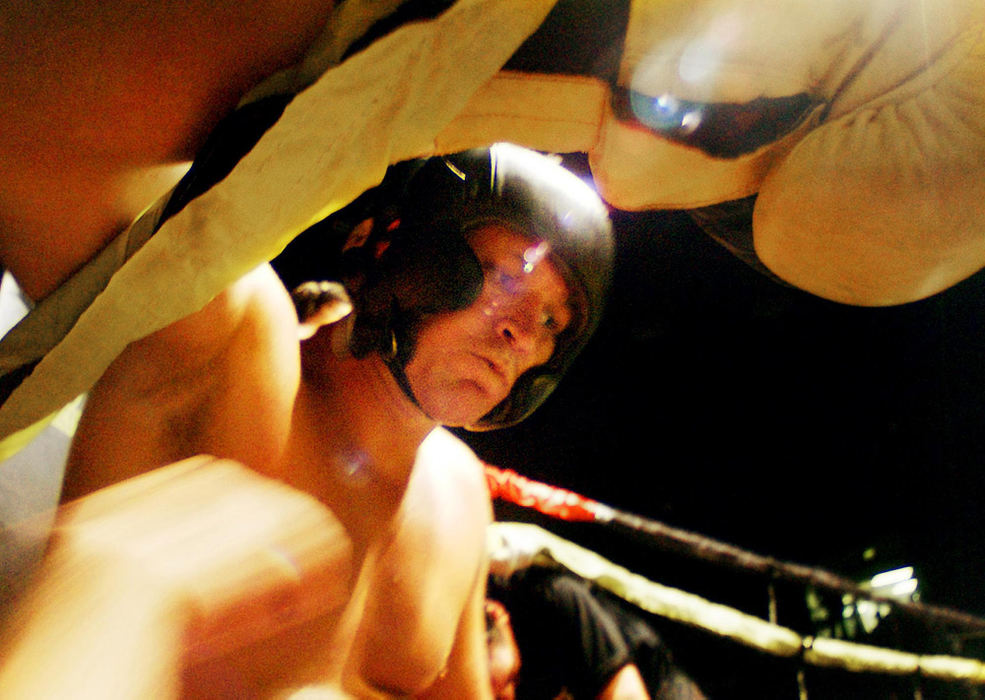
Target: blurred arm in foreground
151,576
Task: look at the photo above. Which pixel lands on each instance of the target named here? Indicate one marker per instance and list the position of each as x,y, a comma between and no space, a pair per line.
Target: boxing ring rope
752,631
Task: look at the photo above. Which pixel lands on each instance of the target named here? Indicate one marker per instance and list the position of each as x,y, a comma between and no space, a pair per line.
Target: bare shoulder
453,459
256,305
447,498
455,478
102,100
449,503
220,381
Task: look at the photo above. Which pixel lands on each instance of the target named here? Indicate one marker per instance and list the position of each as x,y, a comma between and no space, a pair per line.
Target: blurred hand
180,565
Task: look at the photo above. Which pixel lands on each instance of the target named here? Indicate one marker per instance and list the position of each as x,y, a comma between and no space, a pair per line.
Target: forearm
179,566
92,628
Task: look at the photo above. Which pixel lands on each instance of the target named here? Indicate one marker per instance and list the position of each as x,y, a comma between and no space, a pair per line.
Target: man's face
466,362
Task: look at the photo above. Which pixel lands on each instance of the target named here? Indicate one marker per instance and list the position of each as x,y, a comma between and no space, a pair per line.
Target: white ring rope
513,545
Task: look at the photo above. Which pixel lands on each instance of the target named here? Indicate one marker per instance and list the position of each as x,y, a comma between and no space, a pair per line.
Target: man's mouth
498,368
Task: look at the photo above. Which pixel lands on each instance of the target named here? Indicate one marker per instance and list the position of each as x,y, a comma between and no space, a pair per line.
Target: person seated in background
551,634
479,282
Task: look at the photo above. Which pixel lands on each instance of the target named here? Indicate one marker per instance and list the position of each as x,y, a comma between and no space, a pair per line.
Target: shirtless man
478,284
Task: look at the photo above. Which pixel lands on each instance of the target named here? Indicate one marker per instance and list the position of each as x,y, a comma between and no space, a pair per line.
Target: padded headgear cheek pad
415,274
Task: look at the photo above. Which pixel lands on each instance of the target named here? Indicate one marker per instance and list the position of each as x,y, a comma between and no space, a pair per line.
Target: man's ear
319,304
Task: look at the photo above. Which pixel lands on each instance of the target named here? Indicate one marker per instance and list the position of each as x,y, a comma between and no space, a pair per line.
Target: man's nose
518,326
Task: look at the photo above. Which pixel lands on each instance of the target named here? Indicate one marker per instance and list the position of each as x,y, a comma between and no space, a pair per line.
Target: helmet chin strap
393,363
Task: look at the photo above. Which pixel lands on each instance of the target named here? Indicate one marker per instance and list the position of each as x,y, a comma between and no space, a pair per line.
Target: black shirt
574,637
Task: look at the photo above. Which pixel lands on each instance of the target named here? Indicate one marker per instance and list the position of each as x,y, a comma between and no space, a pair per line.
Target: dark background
716,400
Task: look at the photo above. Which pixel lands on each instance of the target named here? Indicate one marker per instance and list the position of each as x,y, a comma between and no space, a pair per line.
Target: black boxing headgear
417,261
